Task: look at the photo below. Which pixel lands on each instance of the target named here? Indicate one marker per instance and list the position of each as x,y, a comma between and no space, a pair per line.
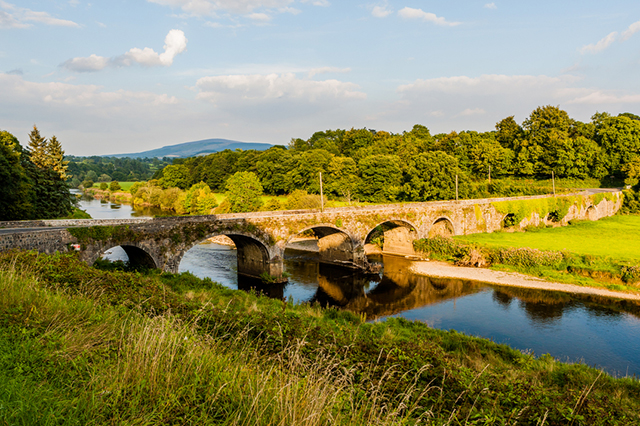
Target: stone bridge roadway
261,237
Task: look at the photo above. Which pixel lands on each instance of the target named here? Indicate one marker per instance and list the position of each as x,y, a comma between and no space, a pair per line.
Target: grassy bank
616,237
84,346
600,254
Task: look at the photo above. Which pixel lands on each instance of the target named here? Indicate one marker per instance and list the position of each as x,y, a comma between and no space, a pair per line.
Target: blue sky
118,76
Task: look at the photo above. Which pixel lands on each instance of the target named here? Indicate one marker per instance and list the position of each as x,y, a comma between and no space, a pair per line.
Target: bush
272,204
115,186
87,184
300,200
104,186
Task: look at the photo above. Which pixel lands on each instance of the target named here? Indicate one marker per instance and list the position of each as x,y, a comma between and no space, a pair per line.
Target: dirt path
445,270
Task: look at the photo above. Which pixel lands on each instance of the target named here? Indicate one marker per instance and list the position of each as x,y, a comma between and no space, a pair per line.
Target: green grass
616,237
84,346
126,186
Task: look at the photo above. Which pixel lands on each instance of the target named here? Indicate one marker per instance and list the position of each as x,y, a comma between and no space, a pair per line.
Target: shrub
104,186
115,186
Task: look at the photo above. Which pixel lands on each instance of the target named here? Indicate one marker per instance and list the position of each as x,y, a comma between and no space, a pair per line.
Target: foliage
119,169
114,186
104,186
16,192
243,192
300,200
47,170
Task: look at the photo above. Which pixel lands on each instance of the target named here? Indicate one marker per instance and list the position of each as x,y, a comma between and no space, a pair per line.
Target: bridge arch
254,256
591,213
335,246
443,227
138,255
394,236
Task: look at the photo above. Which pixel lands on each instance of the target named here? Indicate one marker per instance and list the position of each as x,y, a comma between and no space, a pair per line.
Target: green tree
16,192
243,192
632,171
175,176
489,153
509,133
47,169
381,178
104,186
434,178
272,167
342,177
114,186
55,156
306,168
619,138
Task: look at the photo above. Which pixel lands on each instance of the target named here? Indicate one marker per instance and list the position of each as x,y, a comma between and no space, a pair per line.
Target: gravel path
445,270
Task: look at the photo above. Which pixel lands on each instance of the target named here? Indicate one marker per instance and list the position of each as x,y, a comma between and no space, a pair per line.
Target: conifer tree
47,170
55,156
38,149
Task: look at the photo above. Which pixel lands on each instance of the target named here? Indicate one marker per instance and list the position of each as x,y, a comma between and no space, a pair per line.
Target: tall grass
116,367
81,346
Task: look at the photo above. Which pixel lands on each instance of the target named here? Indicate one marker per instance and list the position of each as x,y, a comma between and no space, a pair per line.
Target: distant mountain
191,149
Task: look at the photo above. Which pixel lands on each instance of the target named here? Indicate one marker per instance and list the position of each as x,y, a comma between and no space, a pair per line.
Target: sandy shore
445,270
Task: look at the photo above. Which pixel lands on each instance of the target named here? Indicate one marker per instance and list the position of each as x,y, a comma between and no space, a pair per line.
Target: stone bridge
342,233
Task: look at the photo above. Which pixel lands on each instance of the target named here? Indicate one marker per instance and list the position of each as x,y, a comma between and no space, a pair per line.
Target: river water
597,331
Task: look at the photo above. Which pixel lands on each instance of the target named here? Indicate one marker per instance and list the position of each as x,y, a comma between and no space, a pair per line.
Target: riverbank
95,347
440,269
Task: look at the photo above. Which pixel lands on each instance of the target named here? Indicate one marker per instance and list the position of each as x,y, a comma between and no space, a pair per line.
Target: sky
108,77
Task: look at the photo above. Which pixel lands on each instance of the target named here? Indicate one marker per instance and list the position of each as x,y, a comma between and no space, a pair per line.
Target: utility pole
321,194
456,187
553,181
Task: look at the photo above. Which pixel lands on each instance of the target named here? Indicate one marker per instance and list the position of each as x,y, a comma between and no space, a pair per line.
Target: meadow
616,237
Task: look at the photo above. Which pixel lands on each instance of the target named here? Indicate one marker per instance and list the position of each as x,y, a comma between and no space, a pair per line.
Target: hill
190,149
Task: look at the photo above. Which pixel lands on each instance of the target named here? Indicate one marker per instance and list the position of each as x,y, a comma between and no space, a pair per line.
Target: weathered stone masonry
261,237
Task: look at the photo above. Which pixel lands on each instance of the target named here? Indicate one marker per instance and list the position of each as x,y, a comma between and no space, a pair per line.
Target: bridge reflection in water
599,331
394,291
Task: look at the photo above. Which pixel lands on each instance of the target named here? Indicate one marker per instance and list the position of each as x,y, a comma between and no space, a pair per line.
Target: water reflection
105,209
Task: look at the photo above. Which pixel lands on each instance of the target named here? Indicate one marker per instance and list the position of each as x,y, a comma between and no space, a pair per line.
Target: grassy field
616,237
83,346
126,186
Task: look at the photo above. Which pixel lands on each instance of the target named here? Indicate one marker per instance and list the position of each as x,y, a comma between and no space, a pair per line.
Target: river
597,331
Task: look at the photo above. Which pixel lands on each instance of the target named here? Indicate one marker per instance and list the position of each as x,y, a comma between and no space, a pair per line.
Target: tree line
378,166
33,179
83,170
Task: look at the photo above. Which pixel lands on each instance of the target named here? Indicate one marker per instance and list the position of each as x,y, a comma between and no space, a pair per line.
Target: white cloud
410,13
602,98
12,16
490,6
88,111
381,11
601,45
259,17
472,111
323,3
633,28
291,10
209,7
90,64
259,88
327,70
174,43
